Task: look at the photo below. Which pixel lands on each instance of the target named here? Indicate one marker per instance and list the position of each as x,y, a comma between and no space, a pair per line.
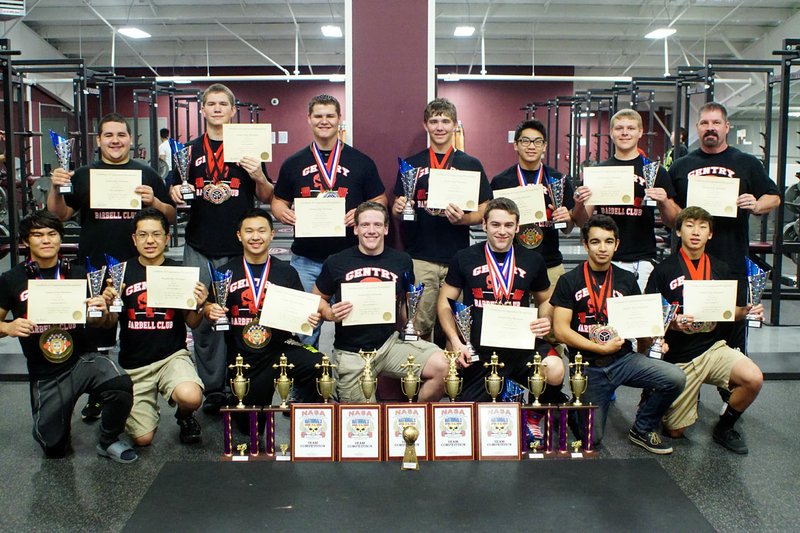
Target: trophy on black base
650,171
220,282
756,283
557,193
96,278
408,177
64,154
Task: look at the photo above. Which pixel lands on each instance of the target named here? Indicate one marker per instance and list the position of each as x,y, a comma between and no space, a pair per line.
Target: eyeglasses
525,142
144,235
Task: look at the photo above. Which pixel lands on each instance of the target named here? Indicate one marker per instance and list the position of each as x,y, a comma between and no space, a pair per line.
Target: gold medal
56,345
217,193
601,334
256,336
530,236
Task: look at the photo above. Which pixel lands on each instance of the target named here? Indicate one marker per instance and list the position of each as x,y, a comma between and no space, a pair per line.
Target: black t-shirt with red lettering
637,239
357,180
146,334
352,266
431,237
469,271
549,244
571,293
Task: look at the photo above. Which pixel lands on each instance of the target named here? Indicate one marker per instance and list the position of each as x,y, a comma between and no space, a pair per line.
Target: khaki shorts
432,275
150,380
713,367
391,355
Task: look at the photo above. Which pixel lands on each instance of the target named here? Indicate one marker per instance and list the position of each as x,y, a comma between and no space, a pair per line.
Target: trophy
494,381
578,380
463,316
282,383
408,177
220,282
557,193
116,271
410,461
64,154
368,380
413,294
325,383
96,277
410,381
452,383
669,311
650,171
756,283
240,385
182,156
536,382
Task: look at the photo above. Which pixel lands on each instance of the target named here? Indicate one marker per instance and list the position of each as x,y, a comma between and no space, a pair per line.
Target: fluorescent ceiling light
332,31
464,31
134,33
660,33
451,77
794,114
182,81
337,78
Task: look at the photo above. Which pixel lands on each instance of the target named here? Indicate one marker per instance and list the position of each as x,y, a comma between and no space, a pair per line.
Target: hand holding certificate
114,189
240,140
172,287
319,217
57,301
373,302
288,309
636,317
715,194
506,326
609,185
529,200
459,187
710,300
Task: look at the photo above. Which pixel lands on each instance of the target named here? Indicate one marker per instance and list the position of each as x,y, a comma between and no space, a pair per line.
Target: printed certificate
319,217
57,301
609,185
710,300
114,189
636,317
715,194
171,287
288,309
240,140
373,302
506,326
529,200
459,187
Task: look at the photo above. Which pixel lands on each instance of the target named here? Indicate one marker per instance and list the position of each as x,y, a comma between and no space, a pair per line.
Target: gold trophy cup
240,385
536,382
368,380
494,381
410,381
452,383
578,380
410,461
325,383
283,384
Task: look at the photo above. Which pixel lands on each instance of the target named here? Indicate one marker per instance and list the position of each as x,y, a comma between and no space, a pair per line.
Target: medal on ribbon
255,335
600,333
530,236
56,344
327,169
502,277
216,192
433,162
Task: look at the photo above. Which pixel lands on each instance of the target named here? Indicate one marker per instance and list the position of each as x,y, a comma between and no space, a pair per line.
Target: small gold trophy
452,383
410,461
368,380
325,383
240,385
241,448
536,382
410,381
576,446
494,381
283,384
578,380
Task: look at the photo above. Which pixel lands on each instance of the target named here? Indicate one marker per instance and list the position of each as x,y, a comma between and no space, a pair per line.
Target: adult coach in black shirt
222,193
437,234
758,195
698,348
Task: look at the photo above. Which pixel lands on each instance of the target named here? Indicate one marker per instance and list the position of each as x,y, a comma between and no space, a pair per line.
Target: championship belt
530,236
217,193
602,334
56,345
701,327
256,336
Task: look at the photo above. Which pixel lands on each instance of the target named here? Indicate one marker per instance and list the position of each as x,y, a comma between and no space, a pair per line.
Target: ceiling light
134,33
182,81
337,78
464,31
451,77
332,31
660,33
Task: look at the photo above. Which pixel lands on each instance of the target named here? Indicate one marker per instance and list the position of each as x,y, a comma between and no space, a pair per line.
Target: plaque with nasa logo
313,432
451,431
397,417
360,430
498,431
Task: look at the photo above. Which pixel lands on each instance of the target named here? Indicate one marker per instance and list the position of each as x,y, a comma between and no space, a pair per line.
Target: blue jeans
308,270
662,381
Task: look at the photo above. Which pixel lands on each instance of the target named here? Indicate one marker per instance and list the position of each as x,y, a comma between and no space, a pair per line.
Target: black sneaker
214,402
731,439
190,430
92,410
650,441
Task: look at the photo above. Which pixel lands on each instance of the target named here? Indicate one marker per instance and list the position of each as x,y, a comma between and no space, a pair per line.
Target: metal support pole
8,124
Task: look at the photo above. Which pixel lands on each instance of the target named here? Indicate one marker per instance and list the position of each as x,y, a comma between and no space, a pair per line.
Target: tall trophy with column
64,148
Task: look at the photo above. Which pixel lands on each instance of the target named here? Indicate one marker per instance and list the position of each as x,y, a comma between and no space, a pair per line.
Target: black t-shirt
637,239
667,279
243,309
212,227
146,335
431,237
357,180
469,271
108,230
14,298
731,241
571,293
549,246
352,266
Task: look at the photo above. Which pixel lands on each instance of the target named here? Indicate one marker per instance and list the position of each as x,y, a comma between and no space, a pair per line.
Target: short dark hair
150,213
39,220
324,99
502,204
219,88
599,221
695,213
112,117
440,106
683,135
255,212
532,124
164,132
713,106
371,206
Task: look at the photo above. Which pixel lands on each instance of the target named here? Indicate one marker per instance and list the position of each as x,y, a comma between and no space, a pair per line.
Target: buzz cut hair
324,99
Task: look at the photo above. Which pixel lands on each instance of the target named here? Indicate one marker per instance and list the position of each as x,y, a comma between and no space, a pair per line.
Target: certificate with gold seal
288,309
319,217
529,200
373,302
710,300
506,326
172,287
240,140
715,194
114,188
636,317
459,187
57,301
609,185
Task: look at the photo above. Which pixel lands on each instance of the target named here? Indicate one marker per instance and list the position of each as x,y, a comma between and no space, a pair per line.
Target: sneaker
214,402
190,430
650,441
92,410
731,439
